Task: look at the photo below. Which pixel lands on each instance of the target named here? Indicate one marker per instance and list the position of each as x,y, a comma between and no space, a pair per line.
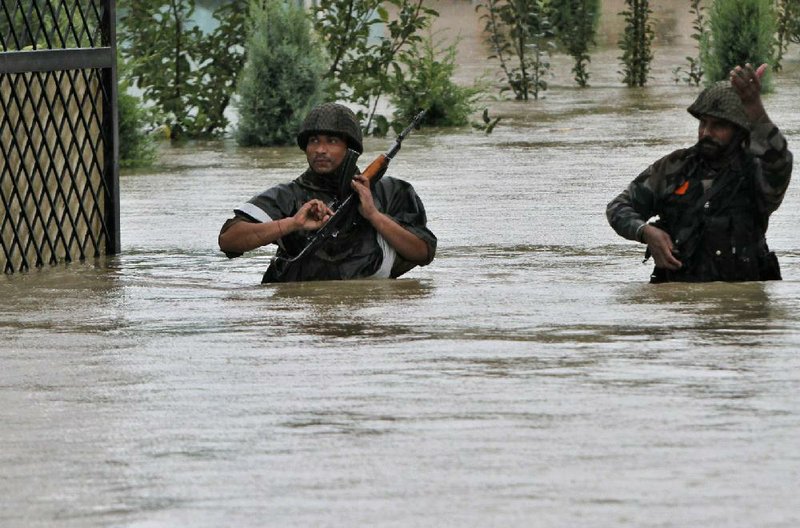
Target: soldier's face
714,135
325,153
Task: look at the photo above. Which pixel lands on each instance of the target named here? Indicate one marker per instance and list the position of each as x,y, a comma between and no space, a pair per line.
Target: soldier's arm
237,237
768,144
632,208
766,140
407,244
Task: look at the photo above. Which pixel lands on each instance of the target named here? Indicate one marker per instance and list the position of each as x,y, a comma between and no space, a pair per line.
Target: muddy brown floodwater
528,377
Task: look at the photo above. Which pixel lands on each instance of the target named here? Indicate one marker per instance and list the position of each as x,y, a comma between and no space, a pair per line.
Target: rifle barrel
414,124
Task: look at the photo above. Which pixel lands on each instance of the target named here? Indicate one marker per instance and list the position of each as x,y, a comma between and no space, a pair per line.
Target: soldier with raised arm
713,200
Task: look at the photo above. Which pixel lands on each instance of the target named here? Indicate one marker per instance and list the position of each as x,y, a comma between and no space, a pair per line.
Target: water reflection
45,298
354,308
322,295
721,304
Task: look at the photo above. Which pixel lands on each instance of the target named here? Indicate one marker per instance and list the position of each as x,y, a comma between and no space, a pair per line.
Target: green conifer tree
741,31
281,80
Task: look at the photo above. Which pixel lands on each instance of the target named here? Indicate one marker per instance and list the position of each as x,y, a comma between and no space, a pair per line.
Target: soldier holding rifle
385,236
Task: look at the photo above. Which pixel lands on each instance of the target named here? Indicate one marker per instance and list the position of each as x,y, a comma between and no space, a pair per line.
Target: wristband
640,233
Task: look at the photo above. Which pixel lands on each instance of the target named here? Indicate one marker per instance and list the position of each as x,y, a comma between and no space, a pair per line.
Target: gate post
113,245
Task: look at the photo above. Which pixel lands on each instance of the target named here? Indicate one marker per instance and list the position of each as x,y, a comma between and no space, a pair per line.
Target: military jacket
358,251
718,230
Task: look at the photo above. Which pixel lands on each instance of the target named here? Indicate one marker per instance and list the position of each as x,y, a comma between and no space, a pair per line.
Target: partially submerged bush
281,80
427,83
636,42
520,36
136,147
575,24
741,31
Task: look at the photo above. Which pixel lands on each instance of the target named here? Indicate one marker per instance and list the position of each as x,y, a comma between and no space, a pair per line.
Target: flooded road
528,377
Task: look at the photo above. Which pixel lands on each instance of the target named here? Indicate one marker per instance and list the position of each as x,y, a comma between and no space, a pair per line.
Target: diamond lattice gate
58,132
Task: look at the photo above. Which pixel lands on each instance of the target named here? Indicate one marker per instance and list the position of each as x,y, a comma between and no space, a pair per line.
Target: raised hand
366,205
746,81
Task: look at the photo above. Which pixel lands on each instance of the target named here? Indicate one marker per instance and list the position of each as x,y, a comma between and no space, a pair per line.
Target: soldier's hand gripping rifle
342,215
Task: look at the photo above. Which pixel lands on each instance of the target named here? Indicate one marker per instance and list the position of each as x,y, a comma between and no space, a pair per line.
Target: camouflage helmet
335,119
721,101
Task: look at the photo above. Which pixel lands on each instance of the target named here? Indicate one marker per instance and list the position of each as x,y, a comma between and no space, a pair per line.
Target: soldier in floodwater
386,237
713,200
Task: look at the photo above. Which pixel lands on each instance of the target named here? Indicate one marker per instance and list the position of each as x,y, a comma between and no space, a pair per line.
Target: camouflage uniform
719,229
358,251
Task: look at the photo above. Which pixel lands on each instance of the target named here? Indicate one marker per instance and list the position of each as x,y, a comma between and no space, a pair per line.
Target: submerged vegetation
636,42
368,53
521,38
693,75
575,24
429,85
282,78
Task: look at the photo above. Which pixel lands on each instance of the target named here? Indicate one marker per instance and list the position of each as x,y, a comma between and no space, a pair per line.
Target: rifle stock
375,170
335,223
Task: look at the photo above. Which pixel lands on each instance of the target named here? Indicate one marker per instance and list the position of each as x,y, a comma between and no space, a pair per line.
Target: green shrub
136,147
364,40
428,84
520,37
281,80
788,14
636,42
575,23
741,31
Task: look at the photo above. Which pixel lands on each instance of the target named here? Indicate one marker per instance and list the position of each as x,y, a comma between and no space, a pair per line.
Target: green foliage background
575,23
520,36
636,42
136,148
282,78
188,76
428,84
741,31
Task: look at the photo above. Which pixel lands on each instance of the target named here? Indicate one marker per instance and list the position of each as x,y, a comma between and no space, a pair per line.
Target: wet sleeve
769,145
402,204
273,204
633,207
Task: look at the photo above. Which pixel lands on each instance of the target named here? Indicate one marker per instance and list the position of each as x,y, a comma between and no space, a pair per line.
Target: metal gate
58,132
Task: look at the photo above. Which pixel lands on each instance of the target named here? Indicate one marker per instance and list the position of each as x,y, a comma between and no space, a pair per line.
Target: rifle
340,217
